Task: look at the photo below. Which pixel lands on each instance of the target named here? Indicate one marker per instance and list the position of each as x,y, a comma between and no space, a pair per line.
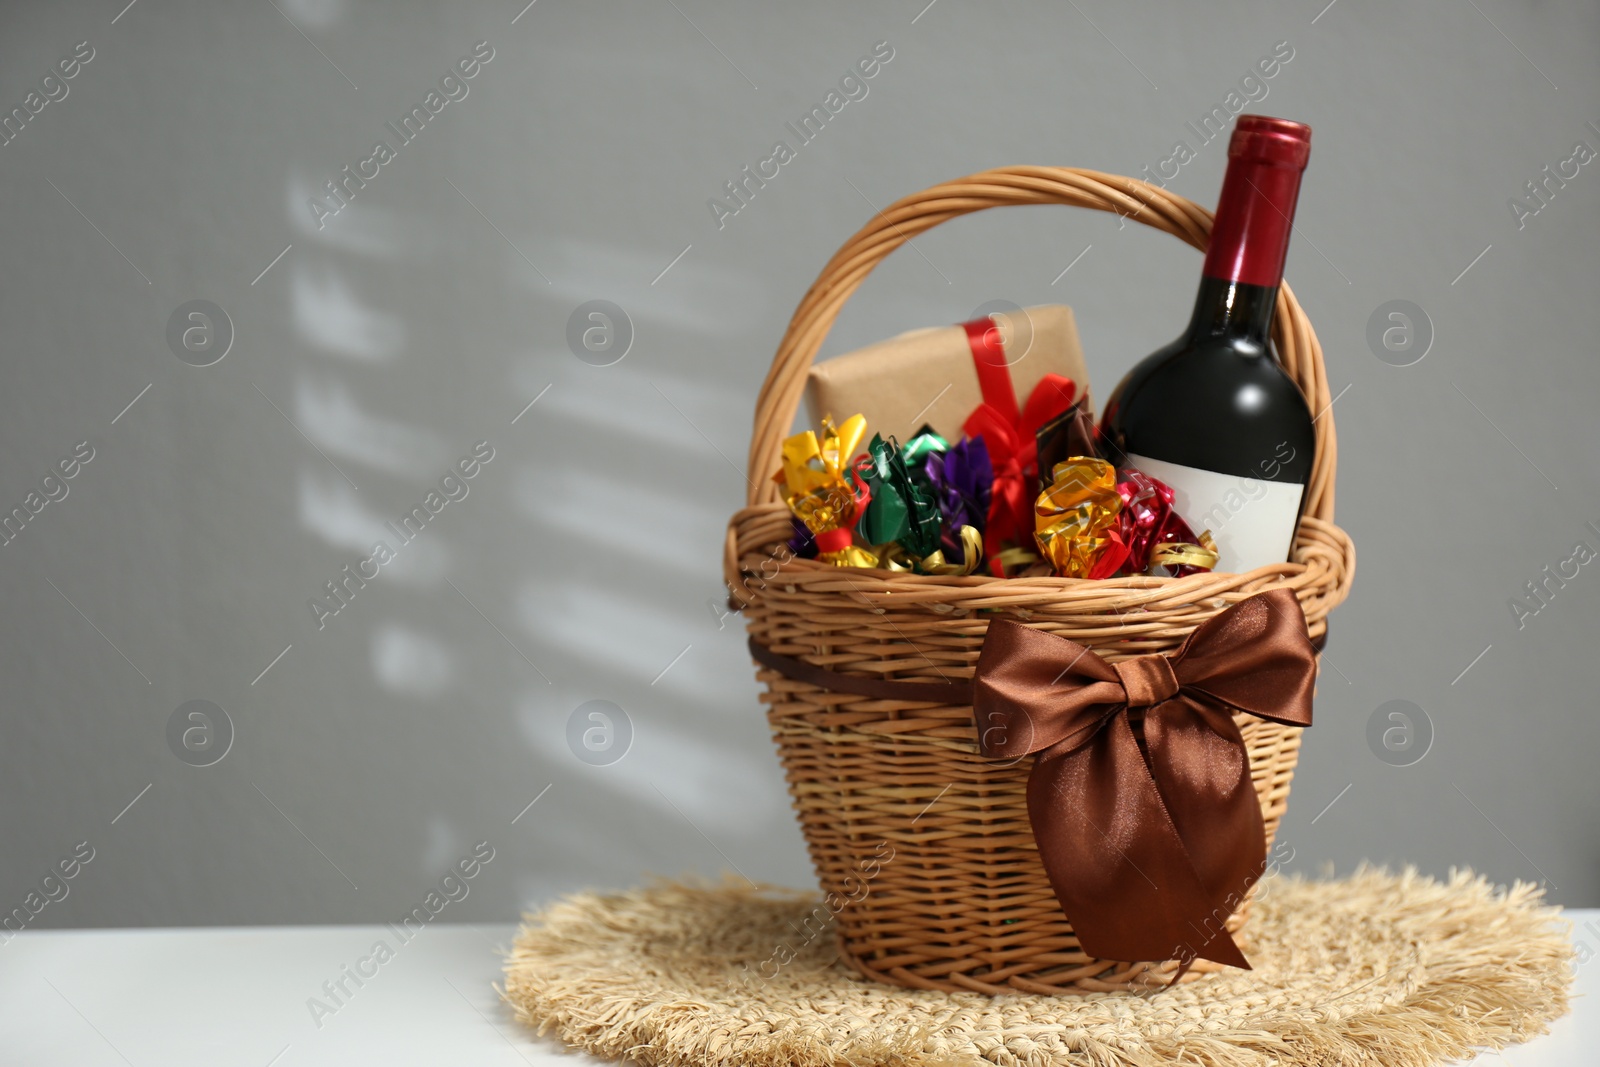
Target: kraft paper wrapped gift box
927,376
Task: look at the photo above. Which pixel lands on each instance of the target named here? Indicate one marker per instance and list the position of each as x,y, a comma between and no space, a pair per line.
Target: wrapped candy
1069,434
903,517
801,543
1076,520
1185,558
925,449
923,444
960,480
824,491
1156,535
899,511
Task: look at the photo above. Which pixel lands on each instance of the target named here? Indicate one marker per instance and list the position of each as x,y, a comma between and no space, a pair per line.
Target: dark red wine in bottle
1213,414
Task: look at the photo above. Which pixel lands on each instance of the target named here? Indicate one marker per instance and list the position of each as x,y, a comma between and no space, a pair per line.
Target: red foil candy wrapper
1154,531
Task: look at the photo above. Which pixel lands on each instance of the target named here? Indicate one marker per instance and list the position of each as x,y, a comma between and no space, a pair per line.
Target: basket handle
1298,348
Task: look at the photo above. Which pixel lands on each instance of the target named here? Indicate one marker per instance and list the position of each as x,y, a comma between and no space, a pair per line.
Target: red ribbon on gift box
1009,434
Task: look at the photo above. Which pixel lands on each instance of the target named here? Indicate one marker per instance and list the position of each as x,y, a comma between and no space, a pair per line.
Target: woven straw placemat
1373,969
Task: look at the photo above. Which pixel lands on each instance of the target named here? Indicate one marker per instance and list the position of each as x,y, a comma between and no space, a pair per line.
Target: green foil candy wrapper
915,453
903,510
922,445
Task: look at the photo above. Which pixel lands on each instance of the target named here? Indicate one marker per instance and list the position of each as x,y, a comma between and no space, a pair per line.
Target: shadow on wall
540,531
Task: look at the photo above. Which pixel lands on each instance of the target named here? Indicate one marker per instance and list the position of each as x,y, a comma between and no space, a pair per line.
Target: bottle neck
1249,242
1233,309
1255,215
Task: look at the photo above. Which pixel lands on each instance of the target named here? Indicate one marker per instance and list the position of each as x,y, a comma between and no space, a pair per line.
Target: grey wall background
425,316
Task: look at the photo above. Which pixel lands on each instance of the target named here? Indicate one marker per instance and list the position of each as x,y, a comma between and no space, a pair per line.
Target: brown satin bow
1140,796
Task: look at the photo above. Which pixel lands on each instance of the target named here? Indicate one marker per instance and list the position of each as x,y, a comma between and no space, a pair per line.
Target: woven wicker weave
962,901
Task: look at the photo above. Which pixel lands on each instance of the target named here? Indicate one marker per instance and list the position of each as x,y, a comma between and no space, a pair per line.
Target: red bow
1010,436
1147,823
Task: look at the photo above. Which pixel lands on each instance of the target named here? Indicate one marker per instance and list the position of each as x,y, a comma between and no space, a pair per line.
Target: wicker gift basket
925,843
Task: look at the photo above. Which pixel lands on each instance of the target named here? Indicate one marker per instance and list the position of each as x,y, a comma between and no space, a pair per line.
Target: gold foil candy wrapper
894,557
1075,519
1178,554
823,490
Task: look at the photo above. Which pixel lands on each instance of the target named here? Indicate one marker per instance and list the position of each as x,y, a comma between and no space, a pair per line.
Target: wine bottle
1213,414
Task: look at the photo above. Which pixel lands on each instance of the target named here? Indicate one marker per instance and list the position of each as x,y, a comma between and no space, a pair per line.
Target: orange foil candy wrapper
1090,525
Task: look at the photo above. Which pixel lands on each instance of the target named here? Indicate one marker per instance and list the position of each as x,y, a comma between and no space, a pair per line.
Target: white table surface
237,997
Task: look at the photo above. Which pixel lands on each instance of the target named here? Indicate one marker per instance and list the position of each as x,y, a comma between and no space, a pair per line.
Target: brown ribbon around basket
1148,825
959,692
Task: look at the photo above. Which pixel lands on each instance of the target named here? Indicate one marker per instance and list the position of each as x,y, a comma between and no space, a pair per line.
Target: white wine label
1251,519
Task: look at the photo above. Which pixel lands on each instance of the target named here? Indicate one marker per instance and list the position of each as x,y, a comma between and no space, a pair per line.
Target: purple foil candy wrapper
801,543
962,479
